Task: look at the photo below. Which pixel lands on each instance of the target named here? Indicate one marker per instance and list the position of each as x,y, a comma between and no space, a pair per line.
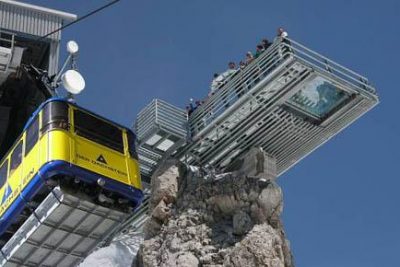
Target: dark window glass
132,144
32,135
55,116
98,130
3,173
16,158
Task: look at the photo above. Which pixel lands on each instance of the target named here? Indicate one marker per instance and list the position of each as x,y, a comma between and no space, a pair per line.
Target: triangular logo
7,193
102,159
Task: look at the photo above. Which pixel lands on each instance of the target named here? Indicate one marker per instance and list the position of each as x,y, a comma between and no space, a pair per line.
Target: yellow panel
59,144
100,159
43,148
134,171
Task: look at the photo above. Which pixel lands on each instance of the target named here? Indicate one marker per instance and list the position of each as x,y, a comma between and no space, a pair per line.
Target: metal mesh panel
62,231
161,128
30,19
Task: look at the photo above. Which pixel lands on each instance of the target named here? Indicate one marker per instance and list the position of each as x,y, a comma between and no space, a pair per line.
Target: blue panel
7,193
11,214
134,195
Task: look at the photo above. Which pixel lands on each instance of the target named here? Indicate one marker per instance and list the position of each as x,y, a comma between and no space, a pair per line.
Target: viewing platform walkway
289,101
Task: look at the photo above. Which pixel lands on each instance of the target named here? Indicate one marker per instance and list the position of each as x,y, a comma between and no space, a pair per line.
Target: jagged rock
242,223
164,187
187,260
255,163
225,204
161,212
261,247
148,253
151,228
269,204
231,219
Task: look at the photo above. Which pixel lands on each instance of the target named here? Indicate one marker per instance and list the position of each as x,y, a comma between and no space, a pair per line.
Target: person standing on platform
249,58
216,83
282,36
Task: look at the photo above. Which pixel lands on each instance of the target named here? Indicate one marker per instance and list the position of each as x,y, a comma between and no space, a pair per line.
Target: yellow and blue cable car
65,145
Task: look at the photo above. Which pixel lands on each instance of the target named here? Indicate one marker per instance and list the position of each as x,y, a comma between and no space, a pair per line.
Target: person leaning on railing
231,71
259,50
249,57
220,79
228,75
282,37
190,107
216,83
265,43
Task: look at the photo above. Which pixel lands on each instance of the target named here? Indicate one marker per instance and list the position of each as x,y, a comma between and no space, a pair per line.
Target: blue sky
341,202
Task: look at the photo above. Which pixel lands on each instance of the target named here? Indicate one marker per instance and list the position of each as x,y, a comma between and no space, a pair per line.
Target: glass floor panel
318,97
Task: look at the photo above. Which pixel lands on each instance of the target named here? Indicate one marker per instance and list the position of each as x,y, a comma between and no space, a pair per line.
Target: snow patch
120,253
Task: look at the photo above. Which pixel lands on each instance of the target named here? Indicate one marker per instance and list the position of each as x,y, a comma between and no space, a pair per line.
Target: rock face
231,219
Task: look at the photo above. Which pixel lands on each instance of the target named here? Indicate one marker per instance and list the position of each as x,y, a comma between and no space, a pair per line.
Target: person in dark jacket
265,43
259,50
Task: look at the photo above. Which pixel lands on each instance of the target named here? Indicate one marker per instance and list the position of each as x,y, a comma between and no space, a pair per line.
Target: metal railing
329,67
161,115
240,84
161,128
245,80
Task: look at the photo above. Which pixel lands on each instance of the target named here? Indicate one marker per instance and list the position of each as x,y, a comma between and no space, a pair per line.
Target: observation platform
289,101
160,128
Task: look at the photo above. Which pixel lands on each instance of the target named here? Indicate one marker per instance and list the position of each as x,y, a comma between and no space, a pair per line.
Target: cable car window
132,144
16,157
32,135
55,116
98,130
3,173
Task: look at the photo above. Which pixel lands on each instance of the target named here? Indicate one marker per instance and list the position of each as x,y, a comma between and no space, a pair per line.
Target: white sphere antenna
72,47
73,82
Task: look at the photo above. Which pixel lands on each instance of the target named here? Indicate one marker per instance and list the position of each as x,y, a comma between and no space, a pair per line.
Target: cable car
68,146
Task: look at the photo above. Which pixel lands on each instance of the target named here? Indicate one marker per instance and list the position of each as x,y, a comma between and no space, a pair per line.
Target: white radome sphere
73,82
72,47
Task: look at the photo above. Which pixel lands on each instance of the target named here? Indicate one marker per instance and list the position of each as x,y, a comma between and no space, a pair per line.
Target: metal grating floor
62,231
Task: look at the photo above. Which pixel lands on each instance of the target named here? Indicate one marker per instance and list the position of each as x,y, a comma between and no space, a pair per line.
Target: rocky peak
229,219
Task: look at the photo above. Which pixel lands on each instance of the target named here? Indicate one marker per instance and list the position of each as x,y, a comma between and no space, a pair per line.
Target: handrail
325,58
240,84
300,50
246,79
246,72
